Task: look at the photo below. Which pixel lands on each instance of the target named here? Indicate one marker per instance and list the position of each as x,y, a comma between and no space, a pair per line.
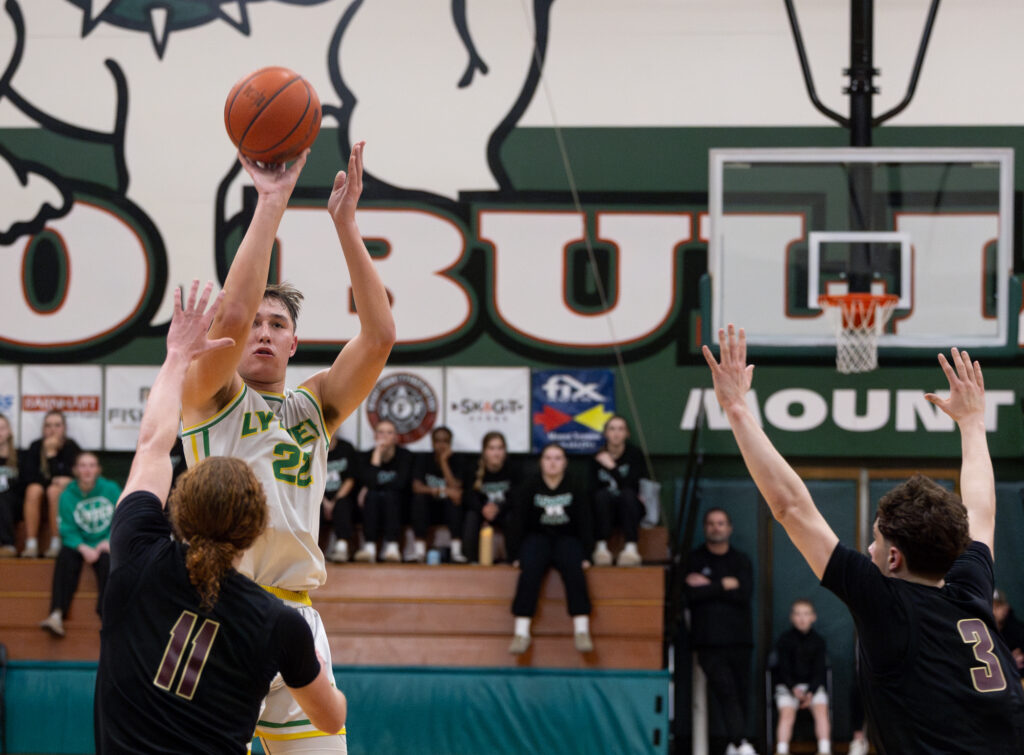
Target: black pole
861,91
861,71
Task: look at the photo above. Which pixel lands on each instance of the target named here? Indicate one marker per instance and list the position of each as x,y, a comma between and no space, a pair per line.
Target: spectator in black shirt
615,473
801,675
488,492
386,474
339,495
1010,628
554,520
719,585
934,674
47,471
437,494
189,646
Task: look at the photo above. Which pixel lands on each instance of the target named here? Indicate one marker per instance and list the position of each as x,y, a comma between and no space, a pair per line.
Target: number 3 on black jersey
201,645
988,677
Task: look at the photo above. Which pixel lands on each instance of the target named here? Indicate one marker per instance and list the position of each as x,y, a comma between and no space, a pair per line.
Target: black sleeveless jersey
933,672
176,679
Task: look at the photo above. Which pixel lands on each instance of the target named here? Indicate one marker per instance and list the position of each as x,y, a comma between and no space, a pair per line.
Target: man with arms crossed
235,404
934,675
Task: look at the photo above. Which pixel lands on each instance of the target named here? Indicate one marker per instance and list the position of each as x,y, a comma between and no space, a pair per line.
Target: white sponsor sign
75,390
126,391
10,400
482,399
412,398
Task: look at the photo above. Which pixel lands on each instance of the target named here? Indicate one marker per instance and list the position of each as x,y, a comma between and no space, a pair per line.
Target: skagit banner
571,407
487,399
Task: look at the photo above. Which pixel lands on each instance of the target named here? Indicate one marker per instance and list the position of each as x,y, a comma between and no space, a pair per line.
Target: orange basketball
272,115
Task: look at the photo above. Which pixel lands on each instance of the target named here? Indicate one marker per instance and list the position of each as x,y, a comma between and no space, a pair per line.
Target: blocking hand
966,387
732,376
189,326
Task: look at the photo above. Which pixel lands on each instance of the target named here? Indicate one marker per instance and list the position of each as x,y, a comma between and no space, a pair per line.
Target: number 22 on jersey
988,677
201,645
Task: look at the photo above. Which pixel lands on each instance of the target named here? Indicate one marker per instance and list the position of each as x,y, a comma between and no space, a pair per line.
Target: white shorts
784,698
282,720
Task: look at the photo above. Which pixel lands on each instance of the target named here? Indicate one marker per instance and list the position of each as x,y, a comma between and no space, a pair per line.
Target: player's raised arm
782,488
213,379
186,339
966,405
343,387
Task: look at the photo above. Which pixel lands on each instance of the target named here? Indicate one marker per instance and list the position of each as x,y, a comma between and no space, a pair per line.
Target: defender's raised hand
191,324
732,375
966,387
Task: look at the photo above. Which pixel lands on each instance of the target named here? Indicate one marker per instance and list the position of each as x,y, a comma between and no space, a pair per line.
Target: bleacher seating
383,614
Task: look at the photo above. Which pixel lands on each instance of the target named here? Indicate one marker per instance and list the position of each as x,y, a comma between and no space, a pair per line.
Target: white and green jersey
284,440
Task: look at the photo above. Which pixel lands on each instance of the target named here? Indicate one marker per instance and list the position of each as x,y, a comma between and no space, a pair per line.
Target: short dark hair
289,296
802,602
441,429
927,523
716,509
554,444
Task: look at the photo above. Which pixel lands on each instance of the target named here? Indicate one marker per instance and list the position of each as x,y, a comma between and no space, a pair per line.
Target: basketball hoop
859,319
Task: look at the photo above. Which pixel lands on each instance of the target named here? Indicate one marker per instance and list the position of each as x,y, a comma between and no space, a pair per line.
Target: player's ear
895,559
295,346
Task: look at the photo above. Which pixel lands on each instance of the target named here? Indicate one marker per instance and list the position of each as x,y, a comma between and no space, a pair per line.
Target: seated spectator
86,509
800,678
437,494
488,493
553,517
47,471
1011,629
10,488
616,473
386,472
339,495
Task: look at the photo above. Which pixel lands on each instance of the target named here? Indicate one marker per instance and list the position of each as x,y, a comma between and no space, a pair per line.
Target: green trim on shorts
269,725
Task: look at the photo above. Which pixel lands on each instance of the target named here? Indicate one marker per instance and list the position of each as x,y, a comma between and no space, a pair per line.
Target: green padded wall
426,711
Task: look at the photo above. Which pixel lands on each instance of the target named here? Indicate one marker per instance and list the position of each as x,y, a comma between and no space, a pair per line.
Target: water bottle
486,545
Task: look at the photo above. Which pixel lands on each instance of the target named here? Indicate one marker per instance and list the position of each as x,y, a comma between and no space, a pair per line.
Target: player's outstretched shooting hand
275,179
966,387
732,375
347,188
190,325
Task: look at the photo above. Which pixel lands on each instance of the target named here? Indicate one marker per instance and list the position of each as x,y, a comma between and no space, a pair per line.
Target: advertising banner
570,408
75,390
481,400
10,400
412,398
125,394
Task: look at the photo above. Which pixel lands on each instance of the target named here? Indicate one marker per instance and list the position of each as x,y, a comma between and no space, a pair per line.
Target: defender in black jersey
188,645
934,675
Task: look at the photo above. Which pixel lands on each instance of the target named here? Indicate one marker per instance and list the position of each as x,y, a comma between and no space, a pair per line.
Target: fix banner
570,407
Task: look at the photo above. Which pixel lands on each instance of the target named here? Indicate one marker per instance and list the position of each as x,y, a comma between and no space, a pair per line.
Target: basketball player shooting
235,404
934,674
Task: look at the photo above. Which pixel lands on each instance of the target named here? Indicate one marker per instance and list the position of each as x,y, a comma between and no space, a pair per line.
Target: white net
858,320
